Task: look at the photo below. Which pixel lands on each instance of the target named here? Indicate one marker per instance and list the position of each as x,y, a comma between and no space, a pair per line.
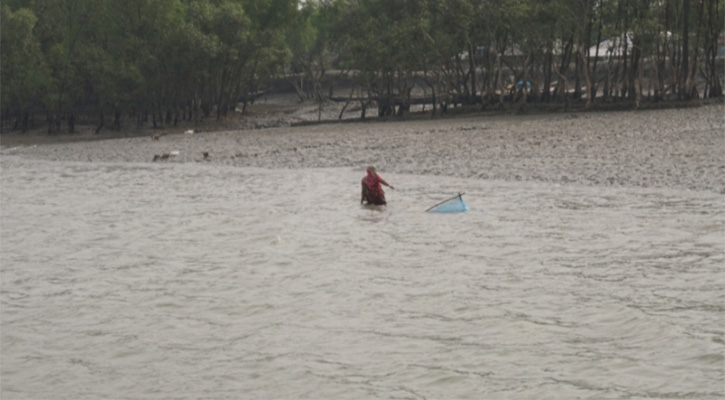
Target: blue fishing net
454,205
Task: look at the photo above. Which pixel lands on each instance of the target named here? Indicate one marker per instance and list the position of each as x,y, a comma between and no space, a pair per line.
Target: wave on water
197,280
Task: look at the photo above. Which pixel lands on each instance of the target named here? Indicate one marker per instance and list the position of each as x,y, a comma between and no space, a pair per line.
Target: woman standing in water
372,191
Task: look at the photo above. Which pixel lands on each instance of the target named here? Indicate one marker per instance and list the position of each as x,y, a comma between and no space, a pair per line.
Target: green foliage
88,57
25,74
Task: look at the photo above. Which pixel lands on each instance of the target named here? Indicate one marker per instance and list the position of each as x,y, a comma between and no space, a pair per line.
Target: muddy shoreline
682,148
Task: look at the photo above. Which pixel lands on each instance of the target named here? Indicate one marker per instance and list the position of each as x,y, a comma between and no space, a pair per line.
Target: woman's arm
386,183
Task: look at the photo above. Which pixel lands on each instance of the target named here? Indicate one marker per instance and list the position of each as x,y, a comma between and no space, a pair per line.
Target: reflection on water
182,280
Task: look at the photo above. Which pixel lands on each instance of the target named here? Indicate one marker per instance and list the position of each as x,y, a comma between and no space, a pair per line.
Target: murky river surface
197,281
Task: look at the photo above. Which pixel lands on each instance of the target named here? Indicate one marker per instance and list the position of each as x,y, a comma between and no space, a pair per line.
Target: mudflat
670,148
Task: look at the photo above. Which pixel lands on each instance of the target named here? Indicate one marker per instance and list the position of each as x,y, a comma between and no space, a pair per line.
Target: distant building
610,48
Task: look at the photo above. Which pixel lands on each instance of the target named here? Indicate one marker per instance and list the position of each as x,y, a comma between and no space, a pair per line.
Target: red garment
372,189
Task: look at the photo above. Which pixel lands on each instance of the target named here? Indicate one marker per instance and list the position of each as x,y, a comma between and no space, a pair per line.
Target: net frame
454,204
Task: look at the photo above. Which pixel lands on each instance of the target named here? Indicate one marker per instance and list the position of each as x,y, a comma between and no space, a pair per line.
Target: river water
139,280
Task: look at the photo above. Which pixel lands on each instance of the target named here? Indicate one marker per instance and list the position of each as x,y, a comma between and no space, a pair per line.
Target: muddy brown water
131,279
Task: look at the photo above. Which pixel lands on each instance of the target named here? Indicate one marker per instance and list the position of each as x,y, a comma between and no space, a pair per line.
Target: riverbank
282,108
681,148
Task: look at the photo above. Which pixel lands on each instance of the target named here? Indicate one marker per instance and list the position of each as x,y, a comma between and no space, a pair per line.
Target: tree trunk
587,80
472,69
714,78
578,57
117,118
548,60
499,82
625,68
692,87
562,91
684,74
593,71
640,84
71,122
525,80
634,70
102,121
565,87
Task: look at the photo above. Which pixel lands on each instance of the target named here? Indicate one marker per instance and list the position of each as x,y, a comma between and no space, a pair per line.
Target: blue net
454,205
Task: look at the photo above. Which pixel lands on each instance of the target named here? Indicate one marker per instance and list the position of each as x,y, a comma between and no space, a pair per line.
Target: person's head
371,169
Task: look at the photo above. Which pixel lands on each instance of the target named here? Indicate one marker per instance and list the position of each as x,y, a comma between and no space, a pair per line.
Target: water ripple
193,280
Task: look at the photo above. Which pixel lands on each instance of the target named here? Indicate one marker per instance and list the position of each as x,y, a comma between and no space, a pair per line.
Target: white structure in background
610,48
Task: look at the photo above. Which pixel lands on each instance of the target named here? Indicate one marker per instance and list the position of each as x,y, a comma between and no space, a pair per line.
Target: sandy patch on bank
676,148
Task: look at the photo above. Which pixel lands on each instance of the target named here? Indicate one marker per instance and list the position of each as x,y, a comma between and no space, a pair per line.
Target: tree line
157,62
